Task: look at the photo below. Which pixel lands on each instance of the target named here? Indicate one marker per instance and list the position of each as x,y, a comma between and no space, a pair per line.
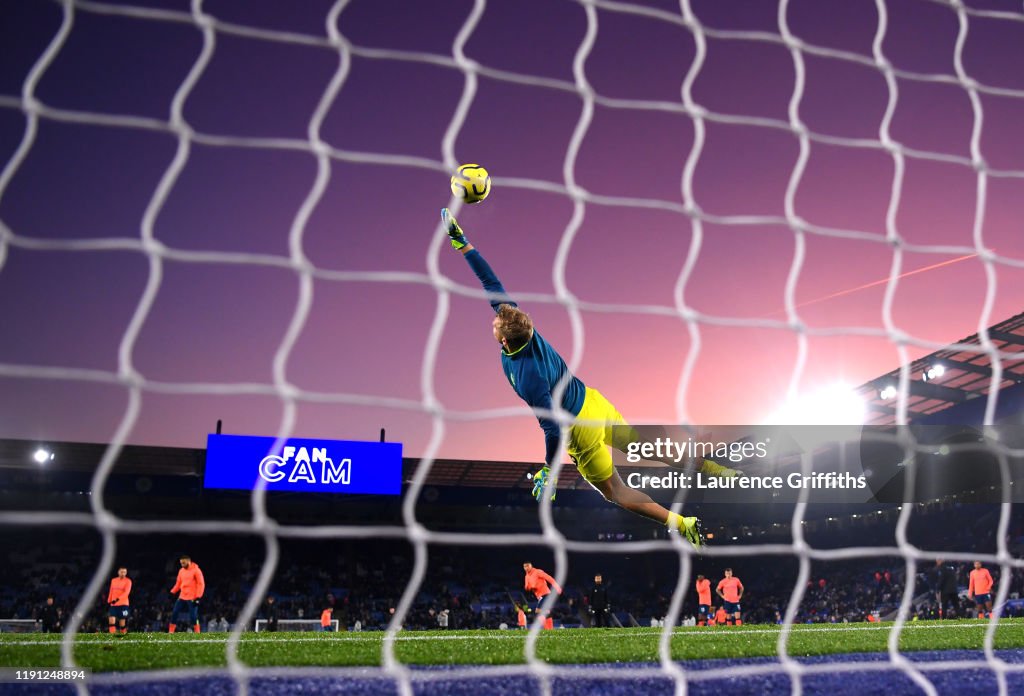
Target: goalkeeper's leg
616,491
588,449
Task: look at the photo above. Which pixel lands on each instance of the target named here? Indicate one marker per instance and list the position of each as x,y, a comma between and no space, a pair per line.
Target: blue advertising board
316,466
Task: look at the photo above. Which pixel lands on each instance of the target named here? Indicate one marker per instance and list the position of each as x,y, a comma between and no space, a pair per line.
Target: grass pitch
151,651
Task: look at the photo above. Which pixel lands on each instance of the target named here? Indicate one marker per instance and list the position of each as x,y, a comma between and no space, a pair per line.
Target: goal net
734,212
19,626
301,625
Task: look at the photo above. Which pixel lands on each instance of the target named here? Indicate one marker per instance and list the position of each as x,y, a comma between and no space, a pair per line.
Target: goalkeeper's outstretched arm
484,273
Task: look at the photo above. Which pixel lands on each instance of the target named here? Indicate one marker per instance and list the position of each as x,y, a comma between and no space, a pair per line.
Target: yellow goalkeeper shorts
598,425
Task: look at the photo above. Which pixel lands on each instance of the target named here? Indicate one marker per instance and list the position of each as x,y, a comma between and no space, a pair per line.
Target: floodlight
835,404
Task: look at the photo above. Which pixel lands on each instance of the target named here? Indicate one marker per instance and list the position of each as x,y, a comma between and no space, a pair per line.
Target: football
471,183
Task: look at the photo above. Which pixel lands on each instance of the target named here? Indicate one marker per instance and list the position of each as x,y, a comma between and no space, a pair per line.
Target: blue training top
534,369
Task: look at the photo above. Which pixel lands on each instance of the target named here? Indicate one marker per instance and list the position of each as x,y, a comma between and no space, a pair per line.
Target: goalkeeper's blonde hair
516,326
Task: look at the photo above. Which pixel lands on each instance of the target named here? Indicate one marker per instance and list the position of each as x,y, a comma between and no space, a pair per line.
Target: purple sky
222,323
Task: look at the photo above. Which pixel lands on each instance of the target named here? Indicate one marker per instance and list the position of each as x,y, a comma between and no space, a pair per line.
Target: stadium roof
968,373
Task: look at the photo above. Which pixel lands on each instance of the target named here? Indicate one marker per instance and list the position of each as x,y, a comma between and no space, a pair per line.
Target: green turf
104,652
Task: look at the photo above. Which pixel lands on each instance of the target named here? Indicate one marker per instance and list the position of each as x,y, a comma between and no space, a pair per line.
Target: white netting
376,261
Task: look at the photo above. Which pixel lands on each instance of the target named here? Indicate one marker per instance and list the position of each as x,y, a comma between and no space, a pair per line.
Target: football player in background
191,585
117,599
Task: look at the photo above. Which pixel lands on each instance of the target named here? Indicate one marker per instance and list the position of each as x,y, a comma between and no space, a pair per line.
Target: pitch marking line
378,636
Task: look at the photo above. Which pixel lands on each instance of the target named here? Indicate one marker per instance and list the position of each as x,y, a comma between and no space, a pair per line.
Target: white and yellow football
471,183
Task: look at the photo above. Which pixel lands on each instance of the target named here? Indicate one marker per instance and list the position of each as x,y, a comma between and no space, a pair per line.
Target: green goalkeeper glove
540,480
455,235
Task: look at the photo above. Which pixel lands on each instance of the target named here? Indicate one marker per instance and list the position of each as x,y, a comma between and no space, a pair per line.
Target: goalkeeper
534,368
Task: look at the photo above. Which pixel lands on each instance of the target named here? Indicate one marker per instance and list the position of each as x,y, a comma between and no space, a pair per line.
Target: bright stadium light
42,455
836,404
889,392
934,372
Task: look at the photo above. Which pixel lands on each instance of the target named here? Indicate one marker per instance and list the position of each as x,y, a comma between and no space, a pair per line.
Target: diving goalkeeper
533,369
